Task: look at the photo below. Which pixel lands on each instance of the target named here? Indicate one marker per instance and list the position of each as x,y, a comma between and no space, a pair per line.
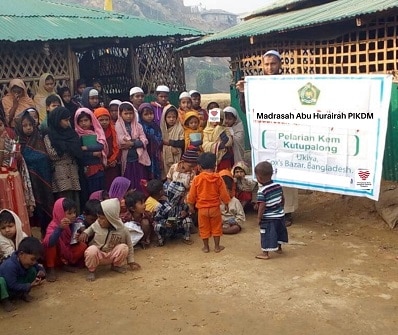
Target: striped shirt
272,195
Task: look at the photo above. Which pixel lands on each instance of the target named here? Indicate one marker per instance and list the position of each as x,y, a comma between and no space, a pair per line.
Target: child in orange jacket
206,193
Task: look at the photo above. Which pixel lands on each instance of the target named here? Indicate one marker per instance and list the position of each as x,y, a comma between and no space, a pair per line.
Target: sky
233,6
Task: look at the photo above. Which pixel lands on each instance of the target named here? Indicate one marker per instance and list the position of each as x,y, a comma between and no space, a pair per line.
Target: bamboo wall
370,47
118,67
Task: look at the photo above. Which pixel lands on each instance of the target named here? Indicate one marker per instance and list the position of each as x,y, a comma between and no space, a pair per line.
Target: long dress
38,163
15,187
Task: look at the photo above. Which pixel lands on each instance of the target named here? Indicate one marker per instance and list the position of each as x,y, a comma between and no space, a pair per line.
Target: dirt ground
337,276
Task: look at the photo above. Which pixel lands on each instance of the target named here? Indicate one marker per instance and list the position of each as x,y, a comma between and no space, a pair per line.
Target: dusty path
338,276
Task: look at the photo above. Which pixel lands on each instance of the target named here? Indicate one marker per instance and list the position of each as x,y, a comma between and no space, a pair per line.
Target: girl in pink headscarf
132,141
57,243
95,151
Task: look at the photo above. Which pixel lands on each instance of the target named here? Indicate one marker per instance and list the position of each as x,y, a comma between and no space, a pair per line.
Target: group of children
99,236
140,171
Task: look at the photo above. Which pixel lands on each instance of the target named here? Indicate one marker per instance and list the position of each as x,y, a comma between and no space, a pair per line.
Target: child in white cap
162,99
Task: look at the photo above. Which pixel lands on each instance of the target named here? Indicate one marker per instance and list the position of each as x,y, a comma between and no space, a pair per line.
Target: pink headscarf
98,131
136,133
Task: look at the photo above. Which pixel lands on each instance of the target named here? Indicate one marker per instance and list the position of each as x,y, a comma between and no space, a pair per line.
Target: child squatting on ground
205,193
271,216
20,272
111,243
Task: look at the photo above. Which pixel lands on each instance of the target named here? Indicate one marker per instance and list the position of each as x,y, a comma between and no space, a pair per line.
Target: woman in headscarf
64,148
90,98
119,187
16,101
15,188
233,122
39,167
46,87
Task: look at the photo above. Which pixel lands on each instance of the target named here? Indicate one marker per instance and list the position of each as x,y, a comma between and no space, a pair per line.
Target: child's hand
41,274
65,222
197,143
191,209
83,237
112,164
127,145
255,206
36,282
84,148
134,266
97,154
183,214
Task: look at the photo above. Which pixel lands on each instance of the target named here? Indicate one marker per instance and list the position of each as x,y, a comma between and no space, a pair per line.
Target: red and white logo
363,174
364,179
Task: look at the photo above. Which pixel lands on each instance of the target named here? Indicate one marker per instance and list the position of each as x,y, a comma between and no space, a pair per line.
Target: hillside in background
207,74
172,11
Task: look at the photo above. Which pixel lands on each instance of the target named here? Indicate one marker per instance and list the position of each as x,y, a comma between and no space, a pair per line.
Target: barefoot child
111,243
270,211
206,191
21,271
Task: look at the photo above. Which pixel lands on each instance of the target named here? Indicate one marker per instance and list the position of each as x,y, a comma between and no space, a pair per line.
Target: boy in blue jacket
21,271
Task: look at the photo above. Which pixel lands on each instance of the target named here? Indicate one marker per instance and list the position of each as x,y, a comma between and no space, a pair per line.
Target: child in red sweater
205,193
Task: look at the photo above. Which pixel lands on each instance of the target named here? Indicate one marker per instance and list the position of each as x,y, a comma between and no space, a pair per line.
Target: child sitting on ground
246,189
171,220
206,193
21,271
11,233
156,192
111,243
139,225
86,219
271,216
57,243
233,215
183,172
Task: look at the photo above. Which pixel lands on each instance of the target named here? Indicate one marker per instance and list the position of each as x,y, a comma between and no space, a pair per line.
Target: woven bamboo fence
371,46
118,67
29,61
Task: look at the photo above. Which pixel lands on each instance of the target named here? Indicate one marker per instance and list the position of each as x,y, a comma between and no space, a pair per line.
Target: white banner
324,133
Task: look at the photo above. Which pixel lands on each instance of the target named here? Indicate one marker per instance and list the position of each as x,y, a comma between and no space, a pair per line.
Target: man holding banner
272,66
320,132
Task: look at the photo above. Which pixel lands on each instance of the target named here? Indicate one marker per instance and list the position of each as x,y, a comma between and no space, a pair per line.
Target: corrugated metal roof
32,20
330,12
273,6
